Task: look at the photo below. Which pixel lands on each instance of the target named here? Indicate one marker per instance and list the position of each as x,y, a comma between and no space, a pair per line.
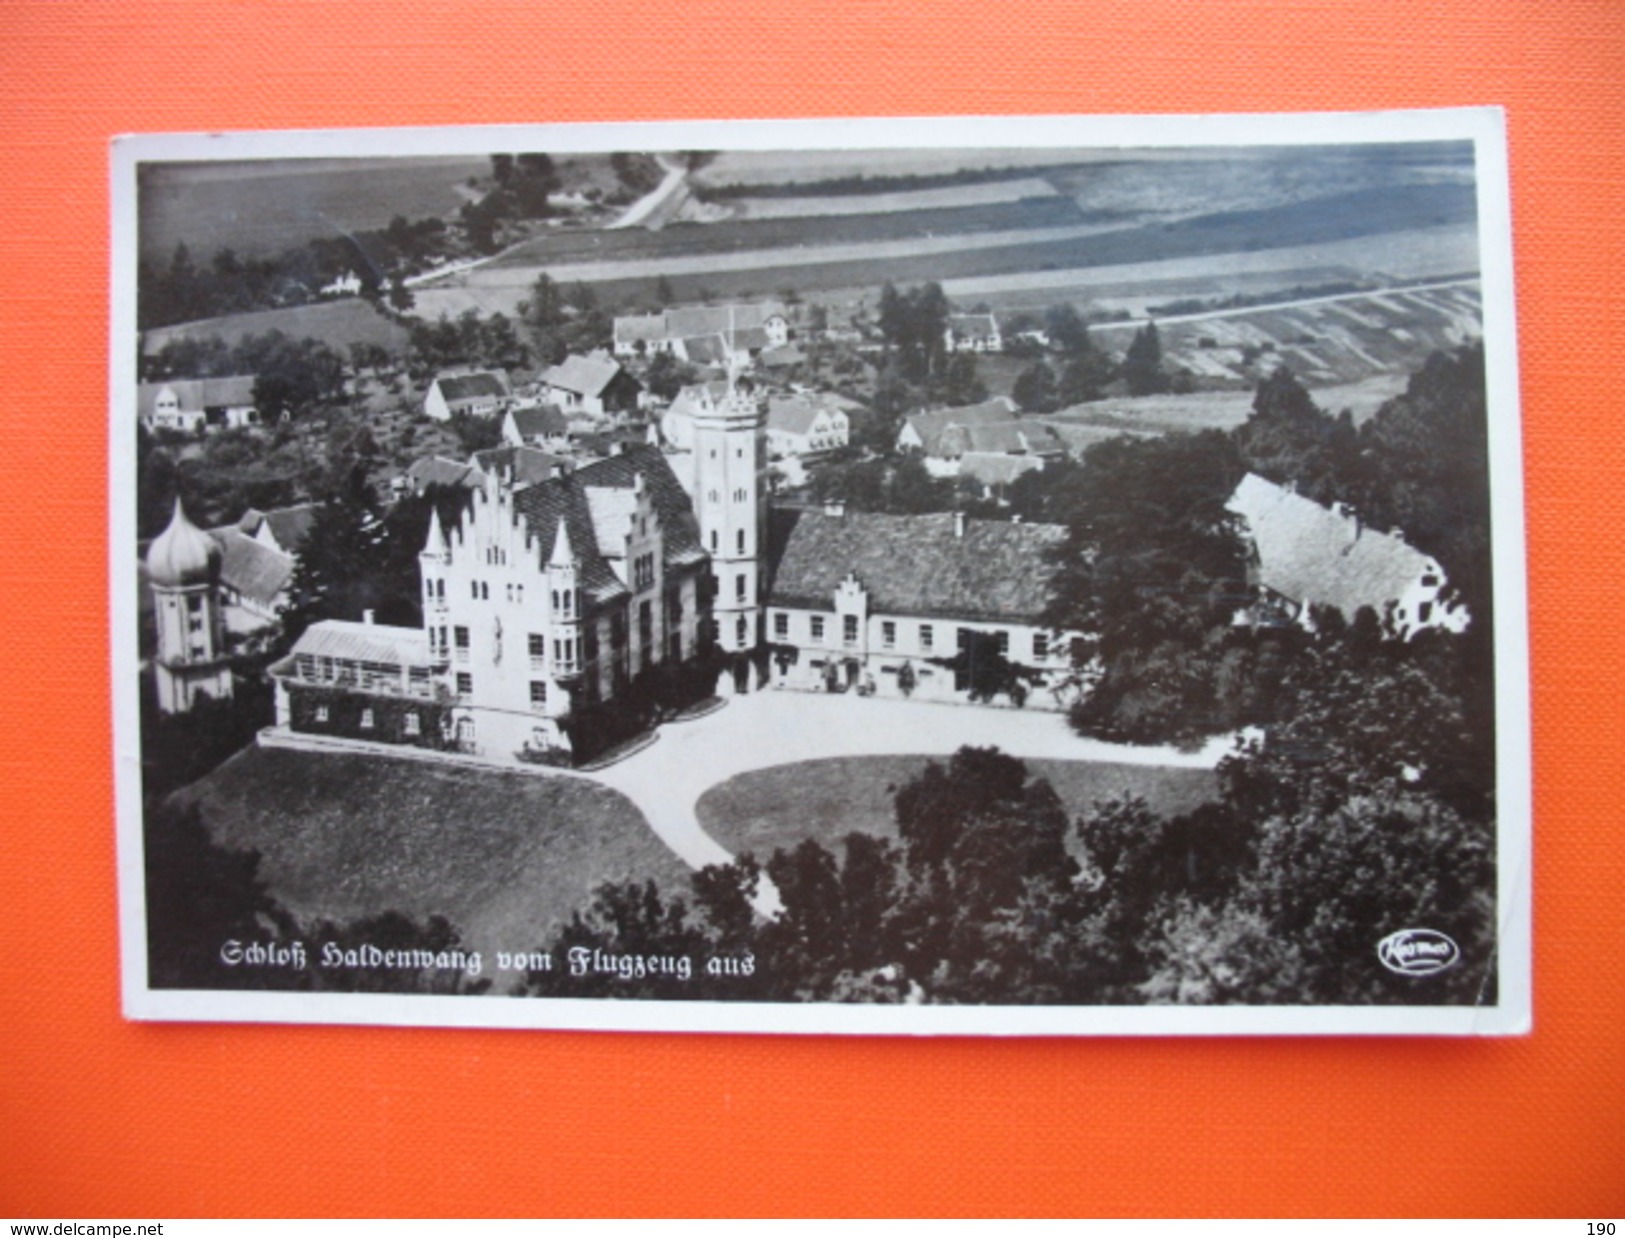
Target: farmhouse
281,529
254,579
973,333
1307,555
923,431
192,405
859,597
806,423
478,393
705,334
540,425
594,384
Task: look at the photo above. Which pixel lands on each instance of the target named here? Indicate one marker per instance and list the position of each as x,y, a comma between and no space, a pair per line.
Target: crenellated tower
730,455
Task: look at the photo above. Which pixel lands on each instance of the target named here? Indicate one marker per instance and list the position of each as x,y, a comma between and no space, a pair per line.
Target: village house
1305,555
281,529
192,405
719,335
594,385
540,425
807,423
858,597
990,443
973,333
923,430
254,580
478,393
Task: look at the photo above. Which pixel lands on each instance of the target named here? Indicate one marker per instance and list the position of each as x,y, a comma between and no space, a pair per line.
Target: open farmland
262,207
1324,340
338,324
748,236
506,857
1359,232
987,194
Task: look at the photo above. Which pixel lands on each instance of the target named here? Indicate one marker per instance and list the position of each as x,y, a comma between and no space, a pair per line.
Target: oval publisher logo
1417,952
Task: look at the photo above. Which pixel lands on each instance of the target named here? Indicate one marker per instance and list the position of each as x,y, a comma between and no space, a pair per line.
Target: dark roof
543,420
527,464
795,414
289,525
439,471
789,354
565,498
705,349
588,375
690,320
455,388
250,567
916,565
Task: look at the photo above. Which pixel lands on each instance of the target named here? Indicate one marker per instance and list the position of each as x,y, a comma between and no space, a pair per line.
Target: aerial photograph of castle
1038,577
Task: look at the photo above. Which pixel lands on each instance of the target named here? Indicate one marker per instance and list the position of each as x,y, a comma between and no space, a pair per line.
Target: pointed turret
562,556
435,543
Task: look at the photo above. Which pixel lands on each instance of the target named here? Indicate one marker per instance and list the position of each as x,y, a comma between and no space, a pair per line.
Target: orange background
102,1117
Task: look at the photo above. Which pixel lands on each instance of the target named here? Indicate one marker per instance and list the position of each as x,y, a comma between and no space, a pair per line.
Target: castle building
543,597
183,569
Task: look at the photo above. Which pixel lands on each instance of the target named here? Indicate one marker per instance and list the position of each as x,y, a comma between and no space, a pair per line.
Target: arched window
741,541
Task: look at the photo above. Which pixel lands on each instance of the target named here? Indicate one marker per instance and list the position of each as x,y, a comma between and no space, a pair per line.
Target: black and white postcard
1053,575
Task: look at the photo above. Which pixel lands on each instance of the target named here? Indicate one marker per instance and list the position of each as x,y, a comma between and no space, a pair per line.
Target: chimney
367,617
835,509
959,524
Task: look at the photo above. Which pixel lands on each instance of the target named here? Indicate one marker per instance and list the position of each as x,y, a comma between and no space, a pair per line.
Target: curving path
768,728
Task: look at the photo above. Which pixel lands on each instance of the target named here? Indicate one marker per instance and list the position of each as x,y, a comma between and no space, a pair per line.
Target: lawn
504,856
769,809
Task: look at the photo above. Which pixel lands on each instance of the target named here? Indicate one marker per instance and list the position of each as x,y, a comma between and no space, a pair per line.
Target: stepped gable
994,571
565,498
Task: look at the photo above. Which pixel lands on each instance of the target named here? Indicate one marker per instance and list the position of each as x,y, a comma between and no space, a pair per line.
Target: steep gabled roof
1309,553
288,525
527,465
930,423
250,567
196,395
688,320
439,471
565,499
480,385
587,375
543,420
918,566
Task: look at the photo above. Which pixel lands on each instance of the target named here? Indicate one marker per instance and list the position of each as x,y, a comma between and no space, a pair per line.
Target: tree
960,383
1142,364
1067,331
1289,440
1084,377
337,573
1035,389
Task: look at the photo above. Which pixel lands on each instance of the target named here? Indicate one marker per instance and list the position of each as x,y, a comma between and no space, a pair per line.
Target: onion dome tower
183,567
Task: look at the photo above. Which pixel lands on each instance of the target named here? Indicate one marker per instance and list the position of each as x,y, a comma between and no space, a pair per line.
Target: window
927,637
465,684
818,627
321,713
781,625
1004,644
194,603
888,634
849,629
741,539
410,724
739,586
474,589
538,695
460,635
742,628
537,645
1040,644
366,719
485,592
713,541
1424,612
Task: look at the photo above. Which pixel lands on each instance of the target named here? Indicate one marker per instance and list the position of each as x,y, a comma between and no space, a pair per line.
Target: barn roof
1309,553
